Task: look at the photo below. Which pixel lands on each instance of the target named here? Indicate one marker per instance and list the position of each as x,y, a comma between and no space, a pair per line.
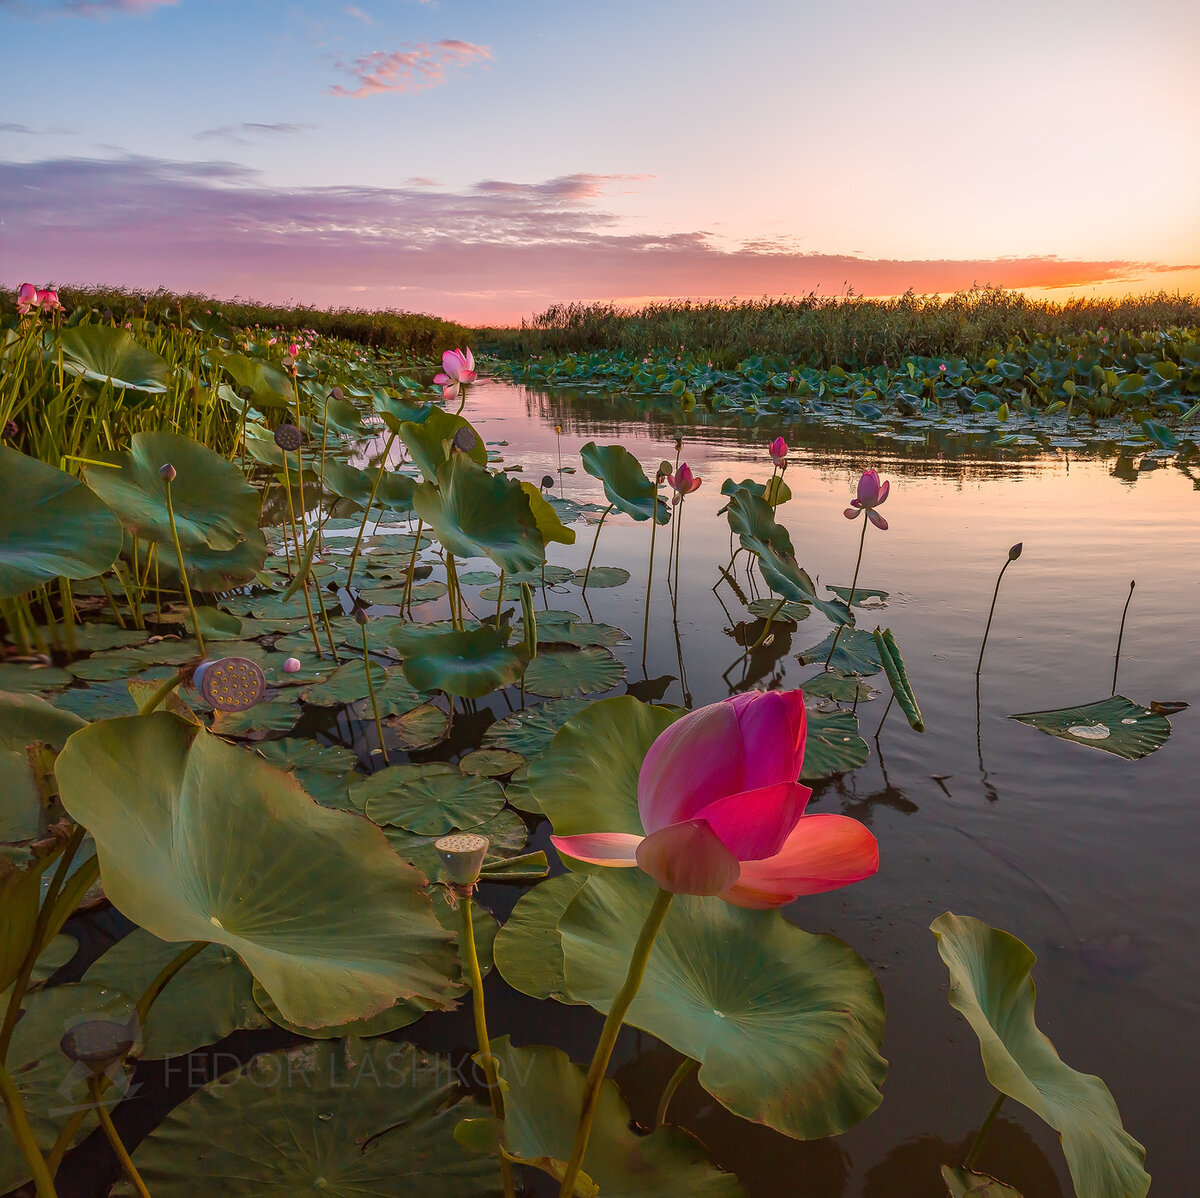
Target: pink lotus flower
724,814
27,299
48,299
293,350
778,450
458,366
683,483
871,493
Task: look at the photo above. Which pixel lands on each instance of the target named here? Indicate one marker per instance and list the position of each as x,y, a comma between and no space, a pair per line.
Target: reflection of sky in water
1088,858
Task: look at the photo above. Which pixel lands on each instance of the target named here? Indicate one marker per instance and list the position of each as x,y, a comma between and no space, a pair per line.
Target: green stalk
649,579
371,692
187,590
18,1123
608,1036
114,1140
977,1144
470,960
991,612
678,543
500,597
599,525
367,510
406,599
160,692
168,971
686,1068
850,602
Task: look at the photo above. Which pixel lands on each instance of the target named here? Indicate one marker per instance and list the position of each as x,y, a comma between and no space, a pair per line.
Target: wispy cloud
494,251
358,13
248,131
30,131
412,68
95,9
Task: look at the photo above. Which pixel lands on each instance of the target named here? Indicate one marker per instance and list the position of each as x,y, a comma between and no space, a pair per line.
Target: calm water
1088,858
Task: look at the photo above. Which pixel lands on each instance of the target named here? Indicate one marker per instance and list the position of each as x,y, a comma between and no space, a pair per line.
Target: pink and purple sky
481,159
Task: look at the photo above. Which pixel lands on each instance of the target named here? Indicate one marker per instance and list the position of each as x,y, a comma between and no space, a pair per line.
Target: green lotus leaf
478,578
396,411
962,1183
600,577
394,492
540,1114
856,653
786,1025
324,771
587,780
833,746
209,997
1116,725
790,612
475,513
506,834
44,1078
530,732
268,386
298,1123
469,664
104,354
26,720
420,728
625,483
863,596
18,677
558,673
491,763
528,949
897,676
260,444
430,442
255,723
845,688
580,633
990,984
215,507
773,493
199,840
549,525
429,800
341,416
348,683
216,570
53,526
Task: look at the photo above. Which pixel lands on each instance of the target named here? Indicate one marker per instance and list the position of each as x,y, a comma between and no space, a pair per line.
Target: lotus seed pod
292,665
231,684
664,468
465,439
462,854
547,482
167,472
288,437
336,393
1015,551
99,1044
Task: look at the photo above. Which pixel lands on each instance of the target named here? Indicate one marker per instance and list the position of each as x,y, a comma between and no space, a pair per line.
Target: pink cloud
491,253
410,69
90,8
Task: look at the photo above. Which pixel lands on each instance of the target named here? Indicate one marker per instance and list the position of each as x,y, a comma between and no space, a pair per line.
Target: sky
483,159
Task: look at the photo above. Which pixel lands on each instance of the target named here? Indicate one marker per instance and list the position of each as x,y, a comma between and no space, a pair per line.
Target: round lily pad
430,800
19,677
856,653
323,770
1116,725
470,664
506,834
833,746
790,611
600,577
419,728
491,763
561,672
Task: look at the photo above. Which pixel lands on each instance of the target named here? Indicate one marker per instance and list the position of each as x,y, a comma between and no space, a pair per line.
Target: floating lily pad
198,839
560,672
845,688
255,723
430,800
53,526
1116,725
420,728
323,770
470,664
990,984
863,596
491,763
581,633
833,745
105,354
856,653
506,834
209,997
17,677
300,1122
530,732
790,611
600,577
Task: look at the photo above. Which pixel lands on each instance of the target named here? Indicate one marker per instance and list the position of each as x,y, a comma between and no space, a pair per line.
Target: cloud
366,18
492,252
413,68
95,9
245,133
53,131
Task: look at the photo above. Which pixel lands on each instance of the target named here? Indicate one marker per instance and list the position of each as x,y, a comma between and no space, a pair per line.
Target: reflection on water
1088,858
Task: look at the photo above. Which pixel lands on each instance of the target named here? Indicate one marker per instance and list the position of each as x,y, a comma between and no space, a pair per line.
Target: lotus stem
287,486
160,692
649,580
18,1122
68,611
187,590
977,1144
470,960
168,971
862,540
608,1036
371,692
406,598
678,542
885,713
762,636
455,592
686,1068
992,610
1121,634
500,597
115,1141
325,617
367,510
595,541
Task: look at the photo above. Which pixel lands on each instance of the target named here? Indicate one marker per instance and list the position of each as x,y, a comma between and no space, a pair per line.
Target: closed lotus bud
360,614
1015,551
288,437
558,429
465,439
292,665
167,472
462,854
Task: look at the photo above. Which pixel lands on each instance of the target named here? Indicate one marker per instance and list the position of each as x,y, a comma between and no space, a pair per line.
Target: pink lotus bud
292,665
778,450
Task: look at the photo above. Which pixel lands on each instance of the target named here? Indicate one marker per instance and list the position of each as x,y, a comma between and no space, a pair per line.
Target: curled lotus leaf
475,513
215,507
625,483
549,525
53,526
992,987
430,442
104,354
200,840
267,386
394,492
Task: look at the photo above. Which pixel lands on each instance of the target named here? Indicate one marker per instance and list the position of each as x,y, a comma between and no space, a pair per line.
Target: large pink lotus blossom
871,493
27,295
683,483
724,814
458,367
48,300
778,450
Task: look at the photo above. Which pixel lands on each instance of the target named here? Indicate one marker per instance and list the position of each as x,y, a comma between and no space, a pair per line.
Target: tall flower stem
596,540
406,599
649,580
981,1135
850,602
187,590
367,510
991,612
114,1140
1121,635
470,962
678,543
608,1036
18,1122
371,692
302,560
686,1068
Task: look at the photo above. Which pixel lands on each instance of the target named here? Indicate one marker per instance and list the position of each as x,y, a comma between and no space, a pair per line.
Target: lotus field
364,832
